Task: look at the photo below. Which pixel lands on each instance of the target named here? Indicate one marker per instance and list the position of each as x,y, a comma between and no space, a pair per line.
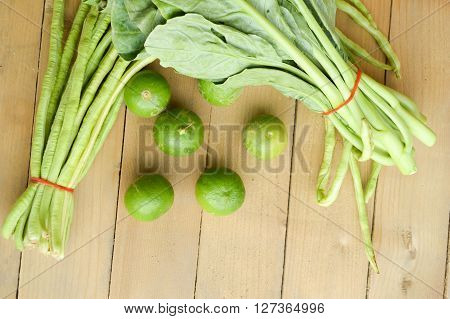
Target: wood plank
19,58
158,259
447,274
411,222
85,272
324,255
241,255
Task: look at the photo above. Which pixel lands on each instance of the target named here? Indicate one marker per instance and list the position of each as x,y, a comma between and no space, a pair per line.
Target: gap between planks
369,268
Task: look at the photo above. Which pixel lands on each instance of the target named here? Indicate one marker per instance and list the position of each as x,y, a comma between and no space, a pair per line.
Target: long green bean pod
131,71
54,58
21,206
67,56
93,116
106,128
97,56
61,211
35,224
91,90
94,27
62,203
19,232
69,102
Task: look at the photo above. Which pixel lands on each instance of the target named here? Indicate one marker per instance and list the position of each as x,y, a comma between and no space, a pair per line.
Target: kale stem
371,27
360,52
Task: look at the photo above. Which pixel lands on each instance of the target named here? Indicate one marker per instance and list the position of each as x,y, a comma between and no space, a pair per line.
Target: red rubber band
350,98
51,184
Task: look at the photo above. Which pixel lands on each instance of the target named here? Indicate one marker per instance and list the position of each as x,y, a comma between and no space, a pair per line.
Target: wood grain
324,256
85,272
412,212
158,259
241,255
187,253
19,64
447,280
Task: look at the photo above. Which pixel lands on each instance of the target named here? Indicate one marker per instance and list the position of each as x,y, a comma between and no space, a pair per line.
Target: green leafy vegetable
293,45
218,52
286,83
132,21
218,95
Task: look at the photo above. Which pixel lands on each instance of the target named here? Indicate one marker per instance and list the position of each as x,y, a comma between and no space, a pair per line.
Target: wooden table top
280,243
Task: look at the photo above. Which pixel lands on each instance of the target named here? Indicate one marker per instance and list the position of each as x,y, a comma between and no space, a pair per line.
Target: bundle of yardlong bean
79,102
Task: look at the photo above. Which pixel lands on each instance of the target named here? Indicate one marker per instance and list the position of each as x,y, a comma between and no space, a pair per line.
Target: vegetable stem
359,51
370,27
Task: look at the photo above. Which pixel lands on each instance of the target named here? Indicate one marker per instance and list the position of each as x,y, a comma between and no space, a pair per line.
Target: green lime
217,95
178,132
149,197
147,94
265,136
220,191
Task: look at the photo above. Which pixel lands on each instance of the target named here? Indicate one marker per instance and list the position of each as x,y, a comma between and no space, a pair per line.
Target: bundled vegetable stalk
294,46
79,102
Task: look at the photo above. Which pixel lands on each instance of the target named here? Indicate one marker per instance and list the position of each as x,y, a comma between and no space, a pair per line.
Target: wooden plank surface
189,253
85,272
412,212
19,66
158,259
241,255
324,255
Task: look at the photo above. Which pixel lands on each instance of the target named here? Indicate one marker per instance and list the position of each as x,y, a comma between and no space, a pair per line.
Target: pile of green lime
180,132
219,192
